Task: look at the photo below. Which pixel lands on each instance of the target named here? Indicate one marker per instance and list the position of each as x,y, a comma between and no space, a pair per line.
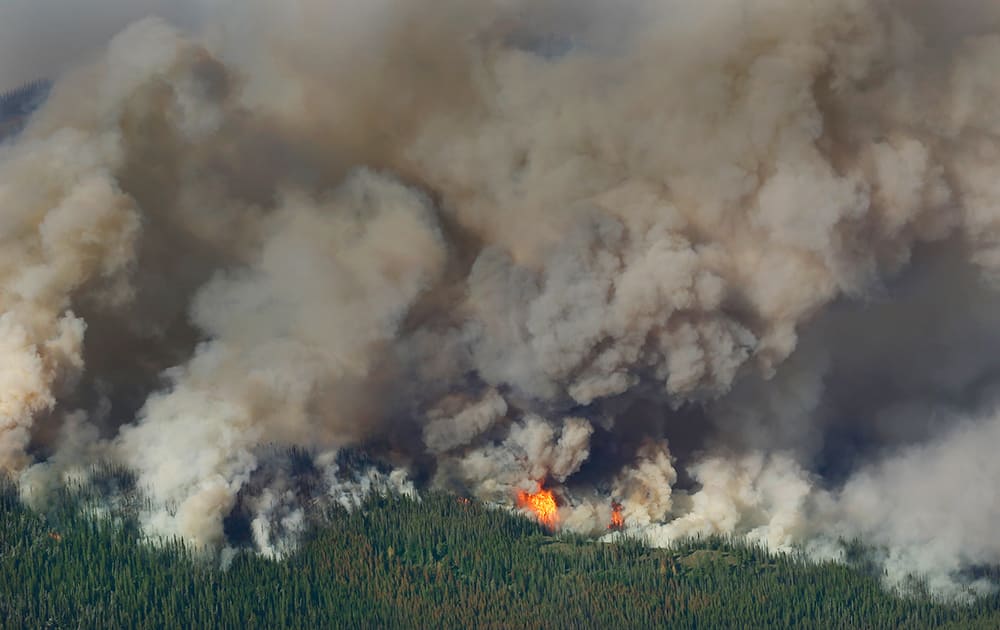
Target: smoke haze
731,264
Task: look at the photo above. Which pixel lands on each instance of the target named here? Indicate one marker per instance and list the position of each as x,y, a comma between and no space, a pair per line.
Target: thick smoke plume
730,264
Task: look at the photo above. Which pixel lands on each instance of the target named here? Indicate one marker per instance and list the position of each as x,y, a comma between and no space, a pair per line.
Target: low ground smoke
730,264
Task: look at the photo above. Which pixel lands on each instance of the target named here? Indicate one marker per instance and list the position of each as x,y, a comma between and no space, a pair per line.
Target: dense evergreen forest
441,562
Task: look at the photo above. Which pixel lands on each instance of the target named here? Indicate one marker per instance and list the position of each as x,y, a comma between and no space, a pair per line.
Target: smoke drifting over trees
730,264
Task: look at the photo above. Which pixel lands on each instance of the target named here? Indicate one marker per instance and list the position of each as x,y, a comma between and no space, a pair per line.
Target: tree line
434,562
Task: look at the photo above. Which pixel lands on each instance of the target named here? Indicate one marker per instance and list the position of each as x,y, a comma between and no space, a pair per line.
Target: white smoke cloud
932,505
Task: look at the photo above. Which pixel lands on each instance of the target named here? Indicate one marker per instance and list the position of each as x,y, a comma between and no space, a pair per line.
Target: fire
543,504
617,520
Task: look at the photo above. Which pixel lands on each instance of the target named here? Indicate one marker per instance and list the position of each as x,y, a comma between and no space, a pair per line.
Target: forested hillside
440,562
17,105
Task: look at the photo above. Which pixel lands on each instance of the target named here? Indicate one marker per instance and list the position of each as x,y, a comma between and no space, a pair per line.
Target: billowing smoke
730,264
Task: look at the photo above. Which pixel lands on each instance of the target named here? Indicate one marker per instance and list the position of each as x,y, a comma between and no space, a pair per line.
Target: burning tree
543,504
617,520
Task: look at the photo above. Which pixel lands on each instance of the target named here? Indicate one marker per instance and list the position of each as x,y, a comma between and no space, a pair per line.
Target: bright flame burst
543,504
617,520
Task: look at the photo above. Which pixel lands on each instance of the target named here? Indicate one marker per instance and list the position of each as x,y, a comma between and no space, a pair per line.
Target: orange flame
617,520
543,504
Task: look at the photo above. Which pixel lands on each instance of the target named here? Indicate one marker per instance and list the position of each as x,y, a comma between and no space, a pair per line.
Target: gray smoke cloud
731,264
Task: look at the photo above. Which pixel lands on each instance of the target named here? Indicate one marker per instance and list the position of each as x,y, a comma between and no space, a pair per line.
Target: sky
39,38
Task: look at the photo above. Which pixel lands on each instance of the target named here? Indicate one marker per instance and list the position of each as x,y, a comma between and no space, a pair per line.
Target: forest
438,561
16,105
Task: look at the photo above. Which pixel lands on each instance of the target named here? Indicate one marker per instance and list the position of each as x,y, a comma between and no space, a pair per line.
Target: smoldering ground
731,264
